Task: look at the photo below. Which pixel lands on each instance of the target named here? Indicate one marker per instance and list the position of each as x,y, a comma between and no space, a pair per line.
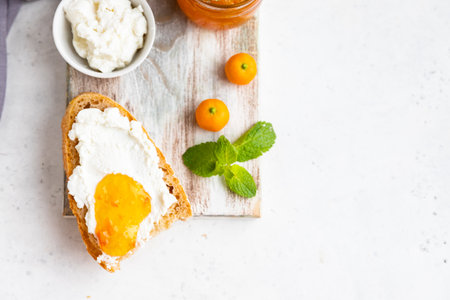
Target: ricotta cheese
106,32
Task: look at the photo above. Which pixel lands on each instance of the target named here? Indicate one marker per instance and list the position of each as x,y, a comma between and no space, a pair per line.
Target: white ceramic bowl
62,35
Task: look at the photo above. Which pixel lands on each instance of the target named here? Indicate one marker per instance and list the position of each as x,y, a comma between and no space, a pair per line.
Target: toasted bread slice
180,210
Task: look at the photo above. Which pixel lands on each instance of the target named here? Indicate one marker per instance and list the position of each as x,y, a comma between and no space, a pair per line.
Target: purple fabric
13,9
3,33
8,12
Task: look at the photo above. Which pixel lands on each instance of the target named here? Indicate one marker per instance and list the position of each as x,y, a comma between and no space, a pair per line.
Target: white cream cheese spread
106,32
108,143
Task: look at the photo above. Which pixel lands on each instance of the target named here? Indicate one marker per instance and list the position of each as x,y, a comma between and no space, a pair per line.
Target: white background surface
356,190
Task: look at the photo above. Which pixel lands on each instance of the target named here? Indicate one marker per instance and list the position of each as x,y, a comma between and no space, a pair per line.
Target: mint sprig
217,158
257,140
225,153
240,181
202,161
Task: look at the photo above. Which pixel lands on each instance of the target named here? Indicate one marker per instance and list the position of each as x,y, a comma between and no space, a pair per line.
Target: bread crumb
205,235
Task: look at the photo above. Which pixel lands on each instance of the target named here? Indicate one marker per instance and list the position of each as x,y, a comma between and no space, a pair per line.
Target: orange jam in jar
219,14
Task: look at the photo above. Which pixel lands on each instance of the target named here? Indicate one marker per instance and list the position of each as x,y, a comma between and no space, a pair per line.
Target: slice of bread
181,210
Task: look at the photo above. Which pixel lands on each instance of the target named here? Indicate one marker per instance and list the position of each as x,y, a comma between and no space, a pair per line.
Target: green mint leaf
255,141
225,153
240,181
200,159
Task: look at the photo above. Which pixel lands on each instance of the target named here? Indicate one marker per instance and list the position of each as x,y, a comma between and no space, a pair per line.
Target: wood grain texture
186,66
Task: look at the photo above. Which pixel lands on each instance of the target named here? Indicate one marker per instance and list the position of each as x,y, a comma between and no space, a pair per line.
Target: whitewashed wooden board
186,66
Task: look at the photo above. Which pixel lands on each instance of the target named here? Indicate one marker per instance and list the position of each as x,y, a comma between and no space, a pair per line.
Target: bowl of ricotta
104,38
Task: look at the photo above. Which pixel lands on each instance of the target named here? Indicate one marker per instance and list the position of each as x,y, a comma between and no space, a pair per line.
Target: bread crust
181,210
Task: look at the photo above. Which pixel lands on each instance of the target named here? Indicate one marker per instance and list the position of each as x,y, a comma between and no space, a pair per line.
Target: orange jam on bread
219,14
121,204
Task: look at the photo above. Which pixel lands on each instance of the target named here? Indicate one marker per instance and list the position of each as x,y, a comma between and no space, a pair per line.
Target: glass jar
219,14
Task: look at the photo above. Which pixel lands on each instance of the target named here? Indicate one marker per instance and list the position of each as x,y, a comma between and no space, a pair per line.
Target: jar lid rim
219,6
